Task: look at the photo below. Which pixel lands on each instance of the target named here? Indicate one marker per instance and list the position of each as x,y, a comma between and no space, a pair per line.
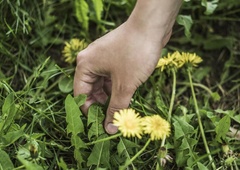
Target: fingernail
111,128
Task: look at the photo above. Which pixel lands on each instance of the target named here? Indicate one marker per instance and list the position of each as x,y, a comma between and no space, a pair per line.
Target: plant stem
135,156
171,102
198,85
20,167
170,107
104,139
200,121
173,95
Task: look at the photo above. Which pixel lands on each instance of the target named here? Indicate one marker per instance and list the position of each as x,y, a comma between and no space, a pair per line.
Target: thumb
120,99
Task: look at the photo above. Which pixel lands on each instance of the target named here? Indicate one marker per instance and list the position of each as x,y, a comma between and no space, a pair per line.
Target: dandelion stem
171,102
104,139
170,107
199,120
135,156
173,95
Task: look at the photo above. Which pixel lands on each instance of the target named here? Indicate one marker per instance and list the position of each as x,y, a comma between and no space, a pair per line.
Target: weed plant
42,127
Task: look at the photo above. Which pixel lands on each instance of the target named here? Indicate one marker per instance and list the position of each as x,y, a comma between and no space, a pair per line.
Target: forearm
155,16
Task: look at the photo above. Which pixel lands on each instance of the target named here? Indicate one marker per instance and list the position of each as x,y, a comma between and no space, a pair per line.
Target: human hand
116,65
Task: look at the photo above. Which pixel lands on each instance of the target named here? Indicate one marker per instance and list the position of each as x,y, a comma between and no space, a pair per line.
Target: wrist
155,18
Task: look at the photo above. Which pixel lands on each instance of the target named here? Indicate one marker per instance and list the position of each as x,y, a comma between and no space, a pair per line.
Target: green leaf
95,119
186,21
226,112
187,146
201,73
125,148
222,128
210,6
213,117
201,166
188,143
62,164
188,168
160,102
73,113
12,136
183,142
98,7
100,154
65,84
75,127
181,158
8,112
214,42
29,165
236,118
191,161
215,96
82,10
77,142
37,135
181,128
5,161
80,99
230,113
78,157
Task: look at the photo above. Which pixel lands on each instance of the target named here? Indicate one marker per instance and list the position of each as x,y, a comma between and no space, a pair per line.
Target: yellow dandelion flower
72,48
191,58
156,126
169,61
128,122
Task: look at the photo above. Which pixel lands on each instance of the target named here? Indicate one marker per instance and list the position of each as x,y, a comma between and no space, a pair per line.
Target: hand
116,65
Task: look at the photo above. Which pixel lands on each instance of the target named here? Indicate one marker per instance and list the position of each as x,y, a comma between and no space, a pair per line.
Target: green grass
41,126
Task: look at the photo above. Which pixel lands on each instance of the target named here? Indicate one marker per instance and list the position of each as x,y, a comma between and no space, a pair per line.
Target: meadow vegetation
42,127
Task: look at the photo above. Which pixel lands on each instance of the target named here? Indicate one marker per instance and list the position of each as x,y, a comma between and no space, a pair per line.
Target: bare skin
116,64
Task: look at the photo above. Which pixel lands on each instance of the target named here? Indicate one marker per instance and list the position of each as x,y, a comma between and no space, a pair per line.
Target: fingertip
119,99
111,128
89,101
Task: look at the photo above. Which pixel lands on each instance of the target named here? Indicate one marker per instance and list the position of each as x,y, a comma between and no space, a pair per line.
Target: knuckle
84,56
81,57
125,88
112,110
